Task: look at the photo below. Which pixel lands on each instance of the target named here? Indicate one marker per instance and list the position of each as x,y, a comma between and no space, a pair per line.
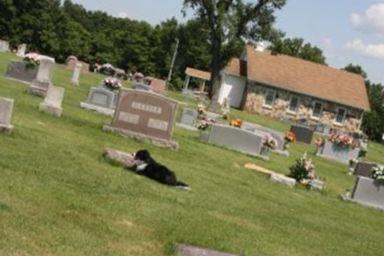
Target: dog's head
142,156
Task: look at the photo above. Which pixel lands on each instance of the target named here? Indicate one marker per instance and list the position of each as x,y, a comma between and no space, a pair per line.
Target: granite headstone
101,100
53,100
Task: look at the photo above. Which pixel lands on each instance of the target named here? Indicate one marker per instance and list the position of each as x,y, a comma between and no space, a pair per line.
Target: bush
303,169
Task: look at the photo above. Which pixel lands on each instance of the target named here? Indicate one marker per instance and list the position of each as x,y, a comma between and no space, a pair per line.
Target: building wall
232,87
255,99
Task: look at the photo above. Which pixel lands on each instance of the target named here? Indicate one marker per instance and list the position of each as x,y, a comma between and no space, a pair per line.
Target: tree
373,121
357,69
227,22
297,48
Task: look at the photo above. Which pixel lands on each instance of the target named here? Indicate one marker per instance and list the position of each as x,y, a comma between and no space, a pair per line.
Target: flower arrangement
303,170
319,141
342,140
378,174
32,60
289,137
269,141
112,83
236,123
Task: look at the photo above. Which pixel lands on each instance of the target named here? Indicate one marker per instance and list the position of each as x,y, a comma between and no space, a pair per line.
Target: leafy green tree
296,47
227,21
357,69
373,121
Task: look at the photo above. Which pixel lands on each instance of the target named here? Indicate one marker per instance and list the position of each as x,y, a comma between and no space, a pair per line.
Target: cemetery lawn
58,196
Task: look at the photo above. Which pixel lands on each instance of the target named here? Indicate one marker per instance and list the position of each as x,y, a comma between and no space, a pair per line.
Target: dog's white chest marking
141,167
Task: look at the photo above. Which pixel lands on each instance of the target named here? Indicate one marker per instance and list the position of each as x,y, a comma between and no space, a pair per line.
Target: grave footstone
4,46
76,74
43,81
303,133
122,158
21,49
145,115
17,70
187,250
101,100
275,177
6,108
53,100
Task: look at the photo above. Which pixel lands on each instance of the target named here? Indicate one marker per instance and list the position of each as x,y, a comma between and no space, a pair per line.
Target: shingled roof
198,73
303,77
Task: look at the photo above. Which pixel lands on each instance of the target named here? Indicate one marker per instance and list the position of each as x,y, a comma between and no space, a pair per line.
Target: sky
348,31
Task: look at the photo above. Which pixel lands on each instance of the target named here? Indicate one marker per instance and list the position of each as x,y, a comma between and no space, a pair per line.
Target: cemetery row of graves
142,118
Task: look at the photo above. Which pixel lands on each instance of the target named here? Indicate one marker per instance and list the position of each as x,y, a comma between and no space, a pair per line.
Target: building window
294,104
317,110
340,116
270,96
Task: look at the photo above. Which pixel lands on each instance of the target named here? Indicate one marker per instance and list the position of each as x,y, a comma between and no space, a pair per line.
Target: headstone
368,192
76,74
4,46
189,117
71,64
21,49
187,250
6,108
17,70
303,133
364,169
234,138
53,100
275,177
145,115
43,79
316,184
340,154
101,100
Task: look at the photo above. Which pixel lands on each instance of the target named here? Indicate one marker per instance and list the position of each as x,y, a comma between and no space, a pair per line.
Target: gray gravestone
145,115
368,192
43,79
187,250
76,74
235,138
101,100
17,70
21,49
303,133
53,100
6,108
4,46
189,117
364,169
337,153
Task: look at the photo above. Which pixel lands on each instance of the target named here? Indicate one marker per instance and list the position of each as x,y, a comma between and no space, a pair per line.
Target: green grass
58,196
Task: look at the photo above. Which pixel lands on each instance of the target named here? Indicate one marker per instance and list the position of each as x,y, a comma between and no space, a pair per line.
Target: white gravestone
76,74
6,108
275,177
53,100
43,79
21,49
4,46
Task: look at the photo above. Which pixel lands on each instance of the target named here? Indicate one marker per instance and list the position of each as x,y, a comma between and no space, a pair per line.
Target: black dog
145,165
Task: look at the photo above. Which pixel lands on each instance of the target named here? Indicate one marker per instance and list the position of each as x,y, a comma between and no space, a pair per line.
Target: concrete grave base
38,88
187,127
50,109
130,134
6,128
99,109
187,250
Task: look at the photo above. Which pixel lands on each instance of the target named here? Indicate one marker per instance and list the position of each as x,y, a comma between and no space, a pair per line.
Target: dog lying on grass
145,165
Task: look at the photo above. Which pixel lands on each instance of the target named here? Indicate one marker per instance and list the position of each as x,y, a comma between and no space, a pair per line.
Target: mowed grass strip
58,196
